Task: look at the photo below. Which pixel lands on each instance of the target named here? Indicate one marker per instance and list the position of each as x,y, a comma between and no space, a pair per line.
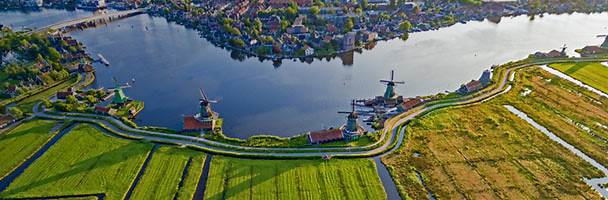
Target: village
278,29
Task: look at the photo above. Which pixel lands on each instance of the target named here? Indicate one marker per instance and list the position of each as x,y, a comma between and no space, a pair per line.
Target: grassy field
20,143
485,152
231,178
84,161
164,172
592,74
576,115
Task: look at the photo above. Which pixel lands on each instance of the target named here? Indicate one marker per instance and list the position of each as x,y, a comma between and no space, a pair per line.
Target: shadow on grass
44,129
255,177
576,67
105,159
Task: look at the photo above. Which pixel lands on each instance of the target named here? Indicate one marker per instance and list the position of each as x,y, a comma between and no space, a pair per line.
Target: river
170,62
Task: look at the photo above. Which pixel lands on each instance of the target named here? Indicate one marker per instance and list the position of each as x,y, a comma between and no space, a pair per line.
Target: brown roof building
470,87
324,136
191,123
6,120
410,103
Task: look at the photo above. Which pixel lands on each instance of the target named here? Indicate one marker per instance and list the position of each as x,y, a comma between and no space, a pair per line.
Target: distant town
285,29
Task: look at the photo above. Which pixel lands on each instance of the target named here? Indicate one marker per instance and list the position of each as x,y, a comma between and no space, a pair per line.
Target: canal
170,62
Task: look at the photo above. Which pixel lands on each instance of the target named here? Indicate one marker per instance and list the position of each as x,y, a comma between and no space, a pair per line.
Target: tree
257,24
53,54
349,24
16,112
47,103
91,99
237,42
364,4
284,25
71,99
405,36
314,10
393,4
405,26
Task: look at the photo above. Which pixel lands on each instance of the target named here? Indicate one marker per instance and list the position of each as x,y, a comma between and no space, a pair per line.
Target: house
105,110
192,124
64,95
6,120
308,51
409,103
348,42
367,36
11,91
297,29
325,136
486,77
589,51
86,68
470,87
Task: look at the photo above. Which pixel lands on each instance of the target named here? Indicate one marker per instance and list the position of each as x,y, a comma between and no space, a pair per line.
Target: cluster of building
377,110
73,61
315,29
476,85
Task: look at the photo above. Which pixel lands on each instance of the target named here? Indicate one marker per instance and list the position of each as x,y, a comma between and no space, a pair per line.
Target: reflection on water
38,18
171,62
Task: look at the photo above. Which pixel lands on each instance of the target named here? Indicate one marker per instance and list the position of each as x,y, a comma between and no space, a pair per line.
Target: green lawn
231,178
592,74
23,141
164,172
84,161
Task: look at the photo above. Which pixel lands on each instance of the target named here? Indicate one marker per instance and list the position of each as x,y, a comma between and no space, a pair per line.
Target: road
391,127
89,18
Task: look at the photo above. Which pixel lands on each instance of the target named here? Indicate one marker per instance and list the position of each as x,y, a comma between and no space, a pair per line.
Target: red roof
5,119
102,109
473,86
325,136
553,54
191,124
411,103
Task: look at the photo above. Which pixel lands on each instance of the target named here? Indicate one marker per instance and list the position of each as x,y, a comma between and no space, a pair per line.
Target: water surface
170,62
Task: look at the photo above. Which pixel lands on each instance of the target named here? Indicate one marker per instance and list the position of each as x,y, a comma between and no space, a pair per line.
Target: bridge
94,18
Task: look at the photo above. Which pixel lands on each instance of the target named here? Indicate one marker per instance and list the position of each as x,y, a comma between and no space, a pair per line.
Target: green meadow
231,178
84,161
164,172
592,74
22,142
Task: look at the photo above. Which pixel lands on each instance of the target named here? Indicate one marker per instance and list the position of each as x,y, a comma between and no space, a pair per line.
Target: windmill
564,50
390,86
119,95
205,106
351,123
605,44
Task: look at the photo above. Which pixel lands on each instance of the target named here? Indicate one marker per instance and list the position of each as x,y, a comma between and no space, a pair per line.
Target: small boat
103,60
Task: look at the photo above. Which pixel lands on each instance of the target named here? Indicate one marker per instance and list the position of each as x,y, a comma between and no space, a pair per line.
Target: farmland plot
22,142
164,172
231,178
485,152
84,161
